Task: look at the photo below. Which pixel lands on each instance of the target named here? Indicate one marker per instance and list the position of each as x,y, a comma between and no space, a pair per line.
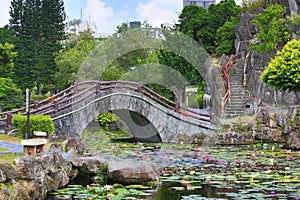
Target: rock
253,105
57,170
263,116
292,111
28,168
281,119
32,189
7,172
272,123
75,161
129,172
5,194
94,164
262,137
294,140
56,148
75,146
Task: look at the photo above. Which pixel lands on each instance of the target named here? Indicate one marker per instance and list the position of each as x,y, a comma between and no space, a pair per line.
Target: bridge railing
81,93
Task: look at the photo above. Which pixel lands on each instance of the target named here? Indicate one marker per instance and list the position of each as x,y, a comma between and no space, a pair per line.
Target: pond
188,171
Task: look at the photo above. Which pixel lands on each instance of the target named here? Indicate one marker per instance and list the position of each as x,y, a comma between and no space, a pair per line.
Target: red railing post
98,87
140,87
35,105
8,119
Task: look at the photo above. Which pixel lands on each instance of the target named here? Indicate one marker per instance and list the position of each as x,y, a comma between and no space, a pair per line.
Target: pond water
188,171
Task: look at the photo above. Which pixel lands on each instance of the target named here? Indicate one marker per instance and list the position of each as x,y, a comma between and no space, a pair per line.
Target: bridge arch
165,124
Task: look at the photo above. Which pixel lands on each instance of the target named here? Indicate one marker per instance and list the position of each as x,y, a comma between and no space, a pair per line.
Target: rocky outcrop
274,127
34,177
254,63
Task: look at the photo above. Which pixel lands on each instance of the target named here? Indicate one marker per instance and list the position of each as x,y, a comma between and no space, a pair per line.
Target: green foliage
7,35
225,37
105,119
198,23
283,71
273,29
10,95
39,28
252,5
6,60
37,123
102,176
202,24
70,59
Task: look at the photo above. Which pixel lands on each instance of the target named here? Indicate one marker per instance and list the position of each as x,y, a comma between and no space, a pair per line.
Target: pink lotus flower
137,151
290,157
238,161
196,154
219,162
253,155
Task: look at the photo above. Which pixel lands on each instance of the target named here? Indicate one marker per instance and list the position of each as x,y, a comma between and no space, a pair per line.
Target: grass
7,138
3,149
10,157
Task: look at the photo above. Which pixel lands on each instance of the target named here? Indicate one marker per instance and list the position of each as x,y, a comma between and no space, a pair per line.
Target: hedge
37,123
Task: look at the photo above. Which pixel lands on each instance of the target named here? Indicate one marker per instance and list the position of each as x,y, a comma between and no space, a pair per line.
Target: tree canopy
7,55
273,29
283,71
70,59
203,24
39,27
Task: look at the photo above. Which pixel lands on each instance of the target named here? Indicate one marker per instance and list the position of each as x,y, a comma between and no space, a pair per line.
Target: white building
203,3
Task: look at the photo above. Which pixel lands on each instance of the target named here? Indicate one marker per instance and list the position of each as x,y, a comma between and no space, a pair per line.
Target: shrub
105,119
37,123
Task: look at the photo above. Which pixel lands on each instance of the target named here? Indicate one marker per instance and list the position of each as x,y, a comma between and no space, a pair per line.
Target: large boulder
36,176
129,172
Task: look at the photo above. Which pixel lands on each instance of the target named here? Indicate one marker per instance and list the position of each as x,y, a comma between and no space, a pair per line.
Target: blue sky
107,14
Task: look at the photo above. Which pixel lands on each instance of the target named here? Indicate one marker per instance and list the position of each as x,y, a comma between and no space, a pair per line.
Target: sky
108,14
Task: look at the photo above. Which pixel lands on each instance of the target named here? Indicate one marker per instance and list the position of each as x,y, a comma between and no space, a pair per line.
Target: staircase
239,96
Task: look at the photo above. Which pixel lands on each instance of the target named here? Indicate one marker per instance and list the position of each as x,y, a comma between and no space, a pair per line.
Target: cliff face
253,63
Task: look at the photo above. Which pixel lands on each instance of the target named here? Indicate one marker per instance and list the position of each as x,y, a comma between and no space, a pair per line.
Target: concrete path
12,147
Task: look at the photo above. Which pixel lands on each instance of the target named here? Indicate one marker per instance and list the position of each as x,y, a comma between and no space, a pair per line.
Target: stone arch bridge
149,116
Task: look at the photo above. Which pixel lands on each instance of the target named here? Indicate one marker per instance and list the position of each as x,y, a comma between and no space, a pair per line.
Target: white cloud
4,10
103,15
157,12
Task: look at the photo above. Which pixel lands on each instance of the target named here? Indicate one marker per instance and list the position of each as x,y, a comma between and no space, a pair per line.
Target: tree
69,60
6,60
7,35
202,24
198,23
39,27
225,37
283,72
224,11
10,95
273,30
